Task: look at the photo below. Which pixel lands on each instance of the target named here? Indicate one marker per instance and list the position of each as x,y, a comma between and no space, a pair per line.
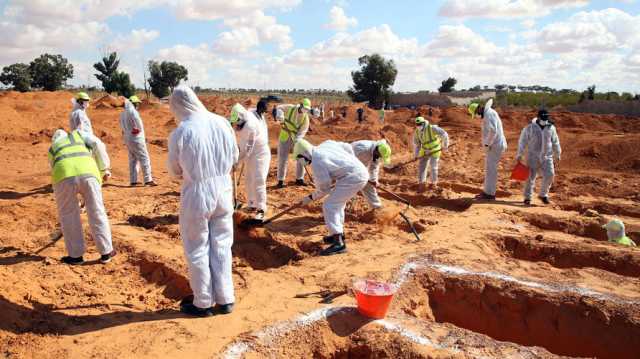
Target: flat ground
486,280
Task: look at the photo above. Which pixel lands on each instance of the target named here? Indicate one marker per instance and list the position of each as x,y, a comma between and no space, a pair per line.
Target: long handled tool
54,237
259,222
240,175
236,204
404,216
306,171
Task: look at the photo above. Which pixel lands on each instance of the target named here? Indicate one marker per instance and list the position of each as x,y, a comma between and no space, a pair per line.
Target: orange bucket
520,172
373,297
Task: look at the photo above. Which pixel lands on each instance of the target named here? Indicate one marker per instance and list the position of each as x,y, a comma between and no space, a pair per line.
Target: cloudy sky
316,43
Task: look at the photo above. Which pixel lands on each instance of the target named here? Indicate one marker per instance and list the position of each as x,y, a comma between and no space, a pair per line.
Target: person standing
294,121
429,141
372,154
202,151
360,112
340,175
78,120
494,143
253,143
540,140
133,135
79,164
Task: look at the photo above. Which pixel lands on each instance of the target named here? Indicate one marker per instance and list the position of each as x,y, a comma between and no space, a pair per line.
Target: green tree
374,80
18,76
123,85
107,71
591,92
50,72
165,76
448,85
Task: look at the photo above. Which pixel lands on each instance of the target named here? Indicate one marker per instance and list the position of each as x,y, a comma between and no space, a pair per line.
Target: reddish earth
486,279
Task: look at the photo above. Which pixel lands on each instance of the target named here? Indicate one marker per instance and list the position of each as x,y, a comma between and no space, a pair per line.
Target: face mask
543,122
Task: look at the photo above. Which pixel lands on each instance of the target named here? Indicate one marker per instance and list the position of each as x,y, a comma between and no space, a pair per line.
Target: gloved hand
307,199
106,175
135,131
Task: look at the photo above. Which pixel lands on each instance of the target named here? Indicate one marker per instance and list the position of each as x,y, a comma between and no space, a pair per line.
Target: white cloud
222,9
528,23
135,40
251,31
339,20
505,8
198,60
458,41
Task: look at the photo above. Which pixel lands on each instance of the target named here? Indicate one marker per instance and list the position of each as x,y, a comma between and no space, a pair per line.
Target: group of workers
206,148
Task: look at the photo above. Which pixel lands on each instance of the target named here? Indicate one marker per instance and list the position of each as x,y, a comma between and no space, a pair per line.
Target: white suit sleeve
555,141
98,149
74,121
416,144
173,162
374,169
489,130
136,121
281,111
522,143
247,142
304,128
444,136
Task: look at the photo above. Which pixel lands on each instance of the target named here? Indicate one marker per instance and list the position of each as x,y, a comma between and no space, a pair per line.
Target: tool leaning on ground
404,216
327,295
258,222
236,205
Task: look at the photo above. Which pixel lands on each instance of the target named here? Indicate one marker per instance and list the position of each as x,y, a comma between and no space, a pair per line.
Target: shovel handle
269,220
395,196
413,229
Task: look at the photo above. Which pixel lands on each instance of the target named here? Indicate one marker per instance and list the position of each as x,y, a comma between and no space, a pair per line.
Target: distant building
425,98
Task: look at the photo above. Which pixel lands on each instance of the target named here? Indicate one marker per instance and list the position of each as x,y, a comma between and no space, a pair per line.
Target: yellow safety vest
292,124
429,142
624,241
71,158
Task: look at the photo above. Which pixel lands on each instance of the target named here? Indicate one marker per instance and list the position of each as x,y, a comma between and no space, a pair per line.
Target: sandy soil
486,279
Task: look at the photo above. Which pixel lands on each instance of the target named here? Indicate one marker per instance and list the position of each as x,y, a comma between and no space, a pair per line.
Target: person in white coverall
372,154
202,151
79,163
429,141
540,140
78,120
494,143
294,121
333,164
133,135
253,143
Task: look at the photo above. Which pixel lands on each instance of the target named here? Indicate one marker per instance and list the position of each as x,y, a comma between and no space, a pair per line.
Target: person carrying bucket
540,140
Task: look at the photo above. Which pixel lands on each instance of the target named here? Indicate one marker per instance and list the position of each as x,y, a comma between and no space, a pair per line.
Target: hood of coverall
58,135
184,103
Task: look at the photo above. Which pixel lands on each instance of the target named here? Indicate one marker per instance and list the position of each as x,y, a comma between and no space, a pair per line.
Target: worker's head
615,229
261,107
543,117
473,109
303,151
315,112
58,135
420,121
238,115
305,105
383,151
184,103
135,101
82,99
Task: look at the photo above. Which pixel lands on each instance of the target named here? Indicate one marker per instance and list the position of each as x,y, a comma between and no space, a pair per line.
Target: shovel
54,237
404,216
306,171
257,222
236,204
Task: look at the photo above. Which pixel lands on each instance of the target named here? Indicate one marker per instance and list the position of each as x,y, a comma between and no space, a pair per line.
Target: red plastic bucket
373,297
520,172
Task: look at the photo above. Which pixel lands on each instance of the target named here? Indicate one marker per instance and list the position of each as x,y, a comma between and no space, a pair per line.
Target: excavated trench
561,321
562,254
583,227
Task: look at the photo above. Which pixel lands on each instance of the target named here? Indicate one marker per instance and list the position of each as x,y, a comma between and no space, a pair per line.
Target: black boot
300,182
330,239
527,202
545,200
223,309
187,307
280,184
338,246
72,260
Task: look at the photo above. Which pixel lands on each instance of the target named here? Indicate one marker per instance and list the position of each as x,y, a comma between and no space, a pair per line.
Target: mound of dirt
108,101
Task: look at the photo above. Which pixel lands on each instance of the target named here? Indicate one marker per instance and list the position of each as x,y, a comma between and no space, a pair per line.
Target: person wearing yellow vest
429,142
294,120
79,164
616,233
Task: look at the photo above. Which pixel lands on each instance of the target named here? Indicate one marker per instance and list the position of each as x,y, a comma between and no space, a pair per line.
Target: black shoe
527,202
486,197
106,258
223,309
133,184
331,239
338,246
545,200
280,184
72,260
300,182
151,184
187,307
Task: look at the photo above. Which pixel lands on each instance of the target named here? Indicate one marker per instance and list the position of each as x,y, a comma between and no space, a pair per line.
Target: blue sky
315,44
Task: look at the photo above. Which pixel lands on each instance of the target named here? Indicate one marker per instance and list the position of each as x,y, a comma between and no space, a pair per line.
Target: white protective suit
284,147
430,161
89,187
541,145
495,144
331,162
78,120
364,150
202,151
253,142
130,123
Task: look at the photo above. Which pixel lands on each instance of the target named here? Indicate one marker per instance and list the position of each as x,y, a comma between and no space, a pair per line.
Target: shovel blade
252,222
